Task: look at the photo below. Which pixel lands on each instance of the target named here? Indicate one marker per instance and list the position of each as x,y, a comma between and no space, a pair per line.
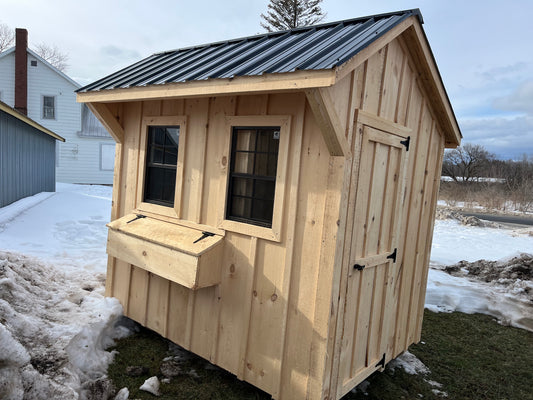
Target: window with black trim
252,175
49,108
161,160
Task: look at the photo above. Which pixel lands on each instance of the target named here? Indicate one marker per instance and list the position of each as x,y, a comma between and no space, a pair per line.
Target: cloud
506,137
521,99
118,53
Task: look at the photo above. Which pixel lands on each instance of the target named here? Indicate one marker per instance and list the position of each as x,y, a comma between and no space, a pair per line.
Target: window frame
42,107
141,205
258,121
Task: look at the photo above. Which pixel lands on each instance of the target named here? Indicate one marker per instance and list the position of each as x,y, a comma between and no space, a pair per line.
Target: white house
42,92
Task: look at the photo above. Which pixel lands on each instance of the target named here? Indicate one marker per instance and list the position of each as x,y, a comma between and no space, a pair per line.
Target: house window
49,108
161,160
252,175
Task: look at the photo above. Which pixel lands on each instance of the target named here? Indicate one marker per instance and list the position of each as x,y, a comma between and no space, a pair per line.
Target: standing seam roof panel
308,48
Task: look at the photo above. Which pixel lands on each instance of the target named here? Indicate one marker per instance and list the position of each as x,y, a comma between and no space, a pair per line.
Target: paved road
504,219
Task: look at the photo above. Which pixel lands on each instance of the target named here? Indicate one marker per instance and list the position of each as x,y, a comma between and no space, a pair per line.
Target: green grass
472,356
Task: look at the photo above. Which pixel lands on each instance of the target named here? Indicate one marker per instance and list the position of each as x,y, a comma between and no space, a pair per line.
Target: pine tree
288,14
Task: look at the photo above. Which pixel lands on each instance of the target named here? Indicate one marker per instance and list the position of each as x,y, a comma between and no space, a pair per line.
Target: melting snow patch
409,363
151,385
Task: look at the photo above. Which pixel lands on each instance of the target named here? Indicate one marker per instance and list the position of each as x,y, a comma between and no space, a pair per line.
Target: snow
453,242
56,324
55,321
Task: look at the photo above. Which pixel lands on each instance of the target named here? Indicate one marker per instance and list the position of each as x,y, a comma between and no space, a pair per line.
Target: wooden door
370,297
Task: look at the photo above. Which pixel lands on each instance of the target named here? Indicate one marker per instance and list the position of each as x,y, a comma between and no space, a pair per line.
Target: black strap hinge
381,363
359,267
204,235
392,256
406,143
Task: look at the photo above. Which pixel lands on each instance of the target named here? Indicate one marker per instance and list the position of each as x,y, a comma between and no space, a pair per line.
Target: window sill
250,230
167,250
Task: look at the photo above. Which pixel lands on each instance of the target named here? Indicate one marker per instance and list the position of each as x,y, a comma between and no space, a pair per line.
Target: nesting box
274,197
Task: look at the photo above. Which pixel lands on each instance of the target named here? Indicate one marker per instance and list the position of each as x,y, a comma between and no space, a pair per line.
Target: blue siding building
27,156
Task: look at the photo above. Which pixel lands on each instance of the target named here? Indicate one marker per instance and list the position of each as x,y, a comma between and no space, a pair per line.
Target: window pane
241,207
264,189
244,163
157,155
245,139
262,210
243,187
261,164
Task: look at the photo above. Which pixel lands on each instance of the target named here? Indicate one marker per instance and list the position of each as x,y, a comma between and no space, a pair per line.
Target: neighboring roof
38,57
11,111
318,47
90,126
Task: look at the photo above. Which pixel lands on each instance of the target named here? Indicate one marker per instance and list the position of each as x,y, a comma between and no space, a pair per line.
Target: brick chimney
21,70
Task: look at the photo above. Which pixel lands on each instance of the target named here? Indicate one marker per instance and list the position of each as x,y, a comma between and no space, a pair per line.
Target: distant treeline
475,170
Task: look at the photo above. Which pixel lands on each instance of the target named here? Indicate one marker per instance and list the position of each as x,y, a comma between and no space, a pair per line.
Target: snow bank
55,323
53,333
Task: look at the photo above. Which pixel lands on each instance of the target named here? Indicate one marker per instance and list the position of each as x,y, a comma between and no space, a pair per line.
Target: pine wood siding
312,306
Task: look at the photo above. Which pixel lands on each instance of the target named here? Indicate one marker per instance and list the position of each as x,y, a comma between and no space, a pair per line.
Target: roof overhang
11,111
410,29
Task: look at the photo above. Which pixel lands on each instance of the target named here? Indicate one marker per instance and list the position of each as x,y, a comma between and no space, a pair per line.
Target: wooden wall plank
391,81
305,265
373,82
157,309
216,159
197,111
412,233
235,300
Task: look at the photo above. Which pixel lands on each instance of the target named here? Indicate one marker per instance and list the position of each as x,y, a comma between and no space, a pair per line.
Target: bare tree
288,14
7,37
53,55
466,163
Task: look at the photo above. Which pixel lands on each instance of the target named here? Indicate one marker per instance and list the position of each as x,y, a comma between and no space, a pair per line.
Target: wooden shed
274,198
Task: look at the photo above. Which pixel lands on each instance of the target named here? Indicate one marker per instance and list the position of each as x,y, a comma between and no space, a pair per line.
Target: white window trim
55,107
273,233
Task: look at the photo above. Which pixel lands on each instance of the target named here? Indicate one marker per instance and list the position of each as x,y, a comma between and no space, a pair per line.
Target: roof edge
414,11
11,111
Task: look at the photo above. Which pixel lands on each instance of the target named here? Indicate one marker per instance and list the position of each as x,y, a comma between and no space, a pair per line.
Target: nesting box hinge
406,143
392,256
204,235
359,267
138,216
381,363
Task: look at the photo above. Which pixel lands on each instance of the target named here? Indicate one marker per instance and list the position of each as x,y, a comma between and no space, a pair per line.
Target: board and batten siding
387,86
27,160
259,323
292,315
78,158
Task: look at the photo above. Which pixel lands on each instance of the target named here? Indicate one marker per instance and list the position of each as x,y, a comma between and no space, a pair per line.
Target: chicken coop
274,197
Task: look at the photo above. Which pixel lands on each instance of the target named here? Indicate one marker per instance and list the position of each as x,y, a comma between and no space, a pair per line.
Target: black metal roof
317,47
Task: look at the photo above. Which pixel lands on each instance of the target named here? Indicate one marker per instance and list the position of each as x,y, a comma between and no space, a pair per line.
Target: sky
482,47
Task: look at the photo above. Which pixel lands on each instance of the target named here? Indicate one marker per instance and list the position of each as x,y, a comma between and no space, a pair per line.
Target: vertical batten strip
422,155
422,240
436,185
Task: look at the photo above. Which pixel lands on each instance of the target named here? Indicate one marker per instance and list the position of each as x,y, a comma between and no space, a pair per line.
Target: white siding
79,158
7,78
